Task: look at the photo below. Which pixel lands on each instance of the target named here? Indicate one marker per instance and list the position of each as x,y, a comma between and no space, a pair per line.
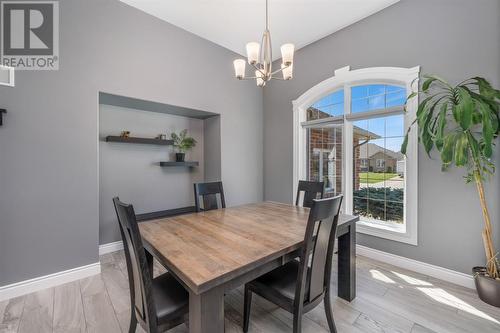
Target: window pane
393,146
391,89
393,126
337,97
376,102
377,126
378,194
329,106
325,158
376,96
312,113
359,105
396,98
331,110
359,92
376,89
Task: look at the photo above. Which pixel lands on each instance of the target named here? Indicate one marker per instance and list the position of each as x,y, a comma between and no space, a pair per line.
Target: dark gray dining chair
208,193
311,191
298,287
160,303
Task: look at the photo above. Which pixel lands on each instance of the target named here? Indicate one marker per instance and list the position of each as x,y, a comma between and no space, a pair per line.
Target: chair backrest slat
323,217
138,272
208,192
311,191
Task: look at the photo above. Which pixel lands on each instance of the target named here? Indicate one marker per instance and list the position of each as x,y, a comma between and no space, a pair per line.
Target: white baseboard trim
110,247
48,281
438,272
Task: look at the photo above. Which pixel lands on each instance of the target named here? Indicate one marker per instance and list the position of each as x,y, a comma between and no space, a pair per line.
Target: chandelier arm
280,70
279,78
249,78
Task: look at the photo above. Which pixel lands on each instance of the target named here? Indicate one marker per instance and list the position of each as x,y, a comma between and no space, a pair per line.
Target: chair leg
246,308
329,313
297,322
133,323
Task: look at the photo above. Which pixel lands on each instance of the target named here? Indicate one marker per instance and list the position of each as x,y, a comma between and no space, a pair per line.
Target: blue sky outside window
332,104
376,96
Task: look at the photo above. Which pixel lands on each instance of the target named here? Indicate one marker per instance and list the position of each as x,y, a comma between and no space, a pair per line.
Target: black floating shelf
148,141
180,164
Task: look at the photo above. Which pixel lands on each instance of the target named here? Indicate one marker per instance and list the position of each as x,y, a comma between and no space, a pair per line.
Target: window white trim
344,78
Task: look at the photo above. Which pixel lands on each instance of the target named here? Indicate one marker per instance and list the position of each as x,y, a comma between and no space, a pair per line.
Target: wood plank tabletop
208,248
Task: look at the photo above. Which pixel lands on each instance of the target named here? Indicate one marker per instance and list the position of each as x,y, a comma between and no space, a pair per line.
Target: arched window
348,132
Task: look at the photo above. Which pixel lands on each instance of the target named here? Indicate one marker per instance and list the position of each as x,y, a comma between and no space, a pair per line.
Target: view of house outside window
378,165
379,180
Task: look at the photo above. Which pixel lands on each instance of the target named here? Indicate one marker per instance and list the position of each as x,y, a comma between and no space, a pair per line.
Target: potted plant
182,143
462,123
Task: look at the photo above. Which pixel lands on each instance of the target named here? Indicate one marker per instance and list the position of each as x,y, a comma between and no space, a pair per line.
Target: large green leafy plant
183,142
462,122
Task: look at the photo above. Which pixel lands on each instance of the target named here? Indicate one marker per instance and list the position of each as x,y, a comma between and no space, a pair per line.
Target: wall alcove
141,169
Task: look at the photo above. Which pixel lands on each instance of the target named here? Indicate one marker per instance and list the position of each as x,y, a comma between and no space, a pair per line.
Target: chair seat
171,299
280,283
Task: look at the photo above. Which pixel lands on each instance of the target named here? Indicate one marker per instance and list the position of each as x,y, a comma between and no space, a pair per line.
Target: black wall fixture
2,111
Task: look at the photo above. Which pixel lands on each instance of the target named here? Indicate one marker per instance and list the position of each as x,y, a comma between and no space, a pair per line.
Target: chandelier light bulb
287,53
239,68
253,50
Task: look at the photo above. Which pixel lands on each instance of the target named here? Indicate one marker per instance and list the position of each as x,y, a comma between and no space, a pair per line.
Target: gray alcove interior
132,171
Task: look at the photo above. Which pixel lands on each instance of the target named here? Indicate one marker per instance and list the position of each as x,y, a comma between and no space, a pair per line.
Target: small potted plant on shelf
182,143
462,123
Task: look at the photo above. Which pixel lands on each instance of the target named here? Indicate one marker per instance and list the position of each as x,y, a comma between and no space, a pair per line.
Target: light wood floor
390,299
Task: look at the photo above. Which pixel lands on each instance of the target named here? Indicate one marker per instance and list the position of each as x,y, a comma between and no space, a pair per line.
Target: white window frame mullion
375,113
348,153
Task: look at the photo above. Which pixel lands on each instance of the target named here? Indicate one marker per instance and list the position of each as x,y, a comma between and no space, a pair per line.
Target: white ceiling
233,23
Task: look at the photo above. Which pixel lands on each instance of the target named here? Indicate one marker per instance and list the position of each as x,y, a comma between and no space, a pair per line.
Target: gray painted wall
132,172
456,39
212,149
49,199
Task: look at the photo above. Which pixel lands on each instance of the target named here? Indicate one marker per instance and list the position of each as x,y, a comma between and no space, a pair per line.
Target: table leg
206,311
347,264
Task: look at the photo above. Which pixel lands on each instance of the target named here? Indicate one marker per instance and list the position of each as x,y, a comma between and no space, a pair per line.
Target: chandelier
261,59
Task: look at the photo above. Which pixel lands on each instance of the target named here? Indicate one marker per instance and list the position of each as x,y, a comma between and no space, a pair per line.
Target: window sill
392,231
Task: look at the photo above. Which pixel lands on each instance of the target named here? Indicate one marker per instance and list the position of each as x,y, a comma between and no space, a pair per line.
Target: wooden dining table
215,251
